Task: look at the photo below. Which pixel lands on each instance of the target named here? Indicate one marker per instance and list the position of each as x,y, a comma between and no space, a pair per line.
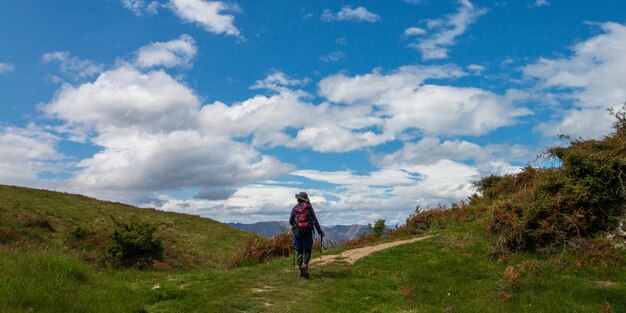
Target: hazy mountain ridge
336,233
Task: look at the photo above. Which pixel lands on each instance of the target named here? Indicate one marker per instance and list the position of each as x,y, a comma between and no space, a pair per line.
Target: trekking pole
295,262
319,268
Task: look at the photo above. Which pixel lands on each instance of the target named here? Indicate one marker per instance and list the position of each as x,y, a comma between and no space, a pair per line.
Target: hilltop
32,218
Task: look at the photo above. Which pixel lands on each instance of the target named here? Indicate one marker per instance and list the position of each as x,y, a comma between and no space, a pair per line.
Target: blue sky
226,109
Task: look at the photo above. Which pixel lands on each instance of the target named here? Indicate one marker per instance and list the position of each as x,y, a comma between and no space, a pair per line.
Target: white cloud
277,81
490,159
333,56
151,134
126,98
208,14
539,3
74,67
329,137
370,87
579,122
142,161
414,31
139,7
442,33
137,161
592,78
26,152
347,13
405,102
248,204
476,69
390,194
383,177
6,67
173,53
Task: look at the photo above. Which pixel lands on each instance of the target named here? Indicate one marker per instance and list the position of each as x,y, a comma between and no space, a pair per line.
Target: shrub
258,249
134,244
437,217
378,229
542,209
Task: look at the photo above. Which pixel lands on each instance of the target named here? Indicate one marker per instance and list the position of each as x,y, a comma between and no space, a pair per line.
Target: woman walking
302,221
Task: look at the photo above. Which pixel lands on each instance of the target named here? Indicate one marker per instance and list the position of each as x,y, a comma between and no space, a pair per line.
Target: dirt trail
351,256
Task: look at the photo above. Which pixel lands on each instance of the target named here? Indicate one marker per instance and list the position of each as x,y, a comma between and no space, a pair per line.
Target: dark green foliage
378,229
539,209
134,244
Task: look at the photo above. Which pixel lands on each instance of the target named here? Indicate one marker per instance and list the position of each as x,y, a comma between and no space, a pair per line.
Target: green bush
540,209
134,244
378,229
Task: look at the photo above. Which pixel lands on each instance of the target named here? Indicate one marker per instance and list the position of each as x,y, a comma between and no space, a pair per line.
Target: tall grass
44,281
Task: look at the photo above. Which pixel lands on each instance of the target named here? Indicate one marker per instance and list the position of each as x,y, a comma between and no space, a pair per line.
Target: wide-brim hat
302,196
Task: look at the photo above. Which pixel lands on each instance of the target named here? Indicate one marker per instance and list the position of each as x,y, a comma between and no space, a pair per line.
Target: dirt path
351,256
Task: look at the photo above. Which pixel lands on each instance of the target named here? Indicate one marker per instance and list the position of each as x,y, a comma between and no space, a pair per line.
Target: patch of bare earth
351,256
263,289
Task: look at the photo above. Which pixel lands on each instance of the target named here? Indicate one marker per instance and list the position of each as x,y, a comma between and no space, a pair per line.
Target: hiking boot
305,272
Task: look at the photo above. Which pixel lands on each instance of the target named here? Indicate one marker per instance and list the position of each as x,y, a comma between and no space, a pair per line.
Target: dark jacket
293,218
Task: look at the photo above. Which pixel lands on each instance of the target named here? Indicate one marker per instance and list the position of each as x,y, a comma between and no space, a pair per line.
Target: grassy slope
449,273
188,239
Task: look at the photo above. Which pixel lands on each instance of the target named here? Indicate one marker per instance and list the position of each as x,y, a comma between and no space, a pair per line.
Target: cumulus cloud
489,159
248,204
390,194
405,101
154,137
173,53
150,130
591,78
173,160
26,152
6,67
539,3
125,97
74,67
208,14
347,13
441,33
211,15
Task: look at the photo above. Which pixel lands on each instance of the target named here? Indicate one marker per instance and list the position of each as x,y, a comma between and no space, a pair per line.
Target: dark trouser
303,244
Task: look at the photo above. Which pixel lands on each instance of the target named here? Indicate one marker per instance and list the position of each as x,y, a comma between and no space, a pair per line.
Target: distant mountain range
337,233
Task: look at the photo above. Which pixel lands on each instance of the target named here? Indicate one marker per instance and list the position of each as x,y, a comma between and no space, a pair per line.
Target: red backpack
304,220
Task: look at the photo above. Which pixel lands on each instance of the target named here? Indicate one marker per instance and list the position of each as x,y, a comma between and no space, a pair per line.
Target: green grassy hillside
35,219
451,272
